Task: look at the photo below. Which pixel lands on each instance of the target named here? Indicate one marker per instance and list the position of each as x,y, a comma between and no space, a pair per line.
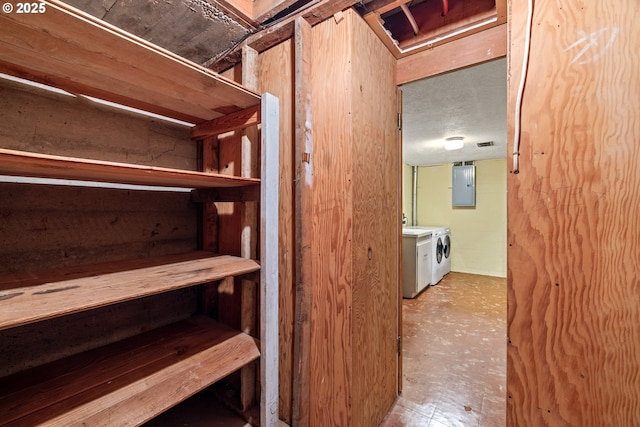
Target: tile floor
454,348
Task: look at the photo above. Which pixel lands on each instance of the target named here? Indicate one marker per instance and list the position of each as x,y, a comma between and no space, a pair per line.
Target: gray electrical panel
463,190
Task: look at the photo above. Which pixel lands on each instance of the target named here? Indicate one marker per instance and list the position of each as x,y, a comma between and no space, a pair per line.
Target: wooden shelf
131,381
92,57
33,297
22,163
128,382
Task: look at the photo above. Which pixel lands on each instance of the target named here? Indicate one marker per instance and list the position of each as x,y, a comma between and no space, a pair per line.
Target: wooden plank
229,123
39,343
209,158
269,216
399,231
266,9
303,226
22,163
276,77
375,181
501,12
386,5
128,382
474,49
111,64
46,226
377,25
573,209
250,167
38,298
331,317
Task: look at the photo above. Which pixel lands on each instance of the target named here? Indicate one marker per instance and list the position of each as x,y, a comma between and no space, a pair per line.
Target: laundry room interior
454,203
469,104
244,213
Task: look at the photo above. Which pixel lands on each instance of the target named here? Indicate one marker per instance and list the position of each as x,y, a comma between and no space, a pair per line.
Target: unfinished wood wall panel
355,179
46,122
275,77
21,347
52,226
573,229
46,226
375,226
331,357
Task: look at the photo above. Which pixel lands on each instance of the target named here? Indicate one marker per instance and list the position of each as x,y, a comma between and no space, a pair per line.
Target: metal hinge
399,121
399,344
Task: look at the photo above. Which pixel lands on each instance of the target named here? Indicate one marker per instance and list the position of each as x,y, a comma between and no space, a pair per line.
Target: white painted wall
479,235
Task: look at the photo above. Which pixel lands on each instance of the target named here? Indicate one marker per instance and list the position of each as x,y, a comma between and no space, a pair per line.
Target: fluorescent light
453,143
462,30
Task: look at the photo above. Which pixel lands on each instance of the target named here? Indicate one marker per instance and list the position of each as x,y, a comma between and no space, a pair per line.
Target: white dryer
445,265
441,253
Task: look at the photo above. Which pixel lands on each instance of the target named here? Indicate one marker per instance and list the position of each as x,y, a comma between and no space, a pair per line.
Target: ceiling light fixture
453,143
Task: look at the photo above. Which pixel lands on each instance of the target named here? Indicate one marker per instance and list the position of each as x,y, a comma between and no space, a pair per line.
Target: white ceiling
471,103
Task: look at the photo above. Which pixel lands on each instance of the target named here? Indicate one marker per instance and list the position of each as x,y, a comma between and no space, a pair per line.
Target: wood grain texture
59,295
111,64
303,210
331,321
354,245
229,123
249,167
399,227
48,226
375,178
21,348
275,77
127,382
573,230
474,49
22,163
45,122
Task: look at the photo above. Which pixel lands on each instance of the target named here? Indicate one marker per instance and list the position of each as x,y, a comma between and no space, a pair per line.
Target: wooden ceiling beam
474,49
383,6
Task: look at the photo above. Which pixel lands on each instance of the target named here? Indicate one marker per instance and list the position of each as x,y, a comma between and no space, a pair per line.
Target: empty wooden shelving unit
131,379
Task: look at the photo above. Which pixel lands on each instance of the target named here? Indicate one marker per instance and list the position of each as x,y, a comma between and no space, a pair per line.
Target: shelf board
128,382
22,163
31,297
69,49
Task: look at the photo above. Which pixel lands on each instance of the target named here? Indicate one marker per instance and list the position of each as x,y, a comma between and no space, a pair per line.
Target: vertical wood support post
209,160
303,214
250,167
269,402
399,225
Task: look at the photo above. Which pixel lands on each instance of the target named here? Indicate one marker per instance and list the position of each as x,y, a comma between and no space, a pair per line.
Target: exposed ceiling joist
409,27
313,13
